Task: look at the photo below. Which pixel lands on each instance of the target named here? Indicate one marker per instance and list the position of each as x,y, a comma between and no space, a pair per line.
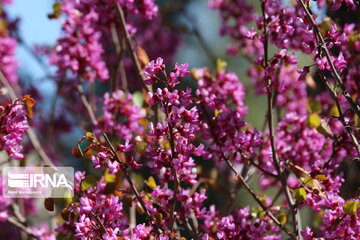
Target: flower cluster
79,49
121,116
224,96
95,215
179,128
8,44
103,208
13,126
239,225
309,148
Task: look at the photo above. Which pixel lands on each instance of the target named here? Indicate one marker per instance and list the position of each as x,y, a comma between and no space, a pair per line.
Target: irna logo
38,182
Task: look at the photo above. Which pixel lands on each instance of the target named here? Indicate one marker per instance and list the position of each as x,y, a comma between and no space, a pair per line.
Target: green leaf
138,99
314,106
308,181
320,177
314,120
282,218
324,129
88,182
56,11
350,208
62,236
356,121
220,65
150,182
89,134
300,194
66,198
353,37
334,111
110,178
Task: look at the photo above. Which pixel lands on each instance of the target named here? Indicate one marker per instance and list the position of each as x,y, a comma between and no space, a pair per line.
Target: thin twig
346,125
131,46
173,171
119,65
99,221
86,104
22,227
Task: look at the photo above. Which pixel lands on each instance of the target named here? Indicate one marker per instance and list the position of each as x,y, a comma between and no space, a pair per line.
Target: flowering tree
166,151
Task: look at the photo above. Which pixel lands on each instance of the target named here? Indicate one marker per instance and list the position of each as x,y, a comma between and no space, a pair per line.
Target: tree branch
22,227
131,46
346,125
354,106
283,178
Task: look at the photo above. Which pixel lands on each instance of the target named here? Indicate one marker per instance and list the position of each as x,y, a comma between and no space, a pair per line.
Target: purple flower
106,208
8,63
121,117
114,166
14,125
42,232
155,67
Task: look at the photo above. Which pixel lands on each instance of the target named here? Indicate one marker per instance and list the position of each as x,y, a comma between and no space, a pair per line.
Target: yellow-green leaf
350,207
56,11
300,194
356,121
138,99
314,120
261,215
324,129
66,198
334,111
88,182
150,182
320,177
308,181
109,178
282,218
89,134
220,65
314,107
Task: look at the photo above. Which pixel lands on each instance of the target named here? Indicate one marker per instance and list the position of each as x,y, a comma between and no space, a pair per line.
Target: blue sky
35,27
